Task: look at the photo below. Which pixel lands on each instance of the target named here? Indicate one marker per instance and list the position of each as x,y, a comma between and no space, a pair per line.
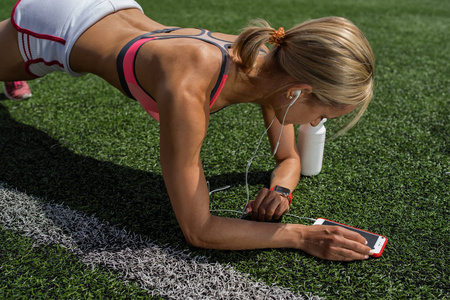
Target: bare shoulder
189,70
179,69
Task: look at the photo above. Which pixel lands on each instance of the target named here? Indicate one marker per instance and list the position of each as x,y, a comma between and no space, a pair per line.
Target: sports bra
127,58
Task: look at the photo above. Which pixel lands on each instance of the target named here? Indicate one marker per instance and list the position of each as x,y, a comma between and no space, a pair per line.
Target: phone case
373,255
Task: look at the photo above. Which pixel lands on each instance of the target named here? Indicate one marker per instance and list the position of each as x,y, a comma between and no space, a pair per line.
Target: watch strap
284,191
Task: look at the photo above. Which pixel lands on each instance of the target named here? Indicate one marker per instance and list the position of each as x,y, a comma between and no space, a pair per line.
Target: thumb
249,207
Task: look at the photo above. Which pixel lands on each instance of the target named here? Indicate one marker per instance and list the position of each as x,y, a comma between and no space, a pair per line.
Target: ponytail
250,41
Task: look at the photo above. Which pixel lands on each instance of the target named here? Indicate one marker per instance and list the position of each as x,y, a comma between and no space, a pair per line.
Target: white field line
162,270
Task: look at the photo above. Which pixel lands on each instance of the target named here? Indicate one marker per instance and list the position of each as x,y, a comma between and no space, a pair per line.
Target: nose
316,122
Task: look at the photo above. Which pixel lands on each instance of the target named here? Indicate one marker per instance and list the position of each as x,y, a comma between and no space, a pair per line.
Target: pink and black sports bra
126,66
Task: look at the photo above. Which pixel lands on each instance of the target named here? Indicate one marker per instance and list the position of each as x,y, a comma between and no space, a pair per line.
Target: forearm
238,234
328,242
286,174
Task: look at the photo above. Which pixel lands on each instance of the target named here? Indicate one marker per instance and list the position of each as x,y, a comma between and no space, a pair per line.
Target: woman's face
304,111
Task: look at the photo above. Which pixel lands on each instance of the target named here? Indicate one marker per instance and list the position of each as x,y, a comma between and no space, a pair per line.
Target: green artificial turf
80,142
29,271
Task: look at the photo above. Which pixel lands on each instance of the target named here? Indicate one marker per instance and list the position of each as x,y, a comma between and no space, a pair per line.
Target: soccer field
84,212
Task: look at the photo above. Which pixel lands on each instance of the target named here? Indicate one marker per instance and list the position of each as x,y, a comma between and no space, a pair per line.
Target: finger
358,248
261,214
249,207
259,199
257,208
343,254
263,211
268,206
348,234
282,208
355,236
349,240
272,207
355,247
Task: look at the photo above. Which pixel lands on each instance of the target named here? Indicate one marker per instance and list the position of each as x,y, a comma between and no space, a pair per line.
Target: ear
306,89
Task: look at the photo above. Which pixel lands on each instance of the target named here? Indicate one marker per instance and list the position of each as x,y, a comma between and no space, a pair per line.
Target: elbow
202,234
195,240
197,236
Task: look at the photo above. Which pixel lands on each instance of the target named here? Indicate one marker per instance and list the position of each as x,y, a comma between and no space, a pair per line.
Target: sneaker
16,90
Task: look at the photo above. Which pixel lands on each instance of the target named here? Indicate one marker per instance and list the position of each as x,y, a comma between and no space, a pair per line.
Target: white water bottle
311,143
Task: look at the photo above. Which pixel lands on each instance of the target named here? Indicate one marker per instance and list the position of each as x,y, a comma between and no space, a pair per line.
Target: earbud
296,94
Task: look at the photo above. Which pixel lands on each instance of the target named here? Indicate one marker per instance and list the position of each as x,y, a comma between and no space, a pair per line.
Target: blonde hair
331,54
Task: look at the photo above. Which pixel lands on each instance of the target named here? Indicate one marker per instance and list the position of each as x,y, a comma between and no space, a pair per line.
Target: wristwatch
283,191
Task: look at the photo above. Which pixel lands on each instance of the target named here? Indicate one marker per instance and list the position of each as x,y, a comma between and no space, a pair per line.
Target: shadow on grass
37,164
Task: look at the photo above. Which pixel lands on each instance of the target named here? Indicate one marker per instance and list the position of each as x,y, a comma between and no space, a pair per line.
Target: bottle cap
316,128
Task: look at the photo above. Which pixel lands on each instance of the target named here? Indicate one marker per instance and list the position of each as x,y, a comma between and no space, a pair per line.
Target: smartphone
375,241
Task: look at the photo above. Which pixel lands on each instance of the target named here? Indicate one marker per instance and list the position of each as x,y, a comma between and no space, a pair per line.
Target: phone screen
370,237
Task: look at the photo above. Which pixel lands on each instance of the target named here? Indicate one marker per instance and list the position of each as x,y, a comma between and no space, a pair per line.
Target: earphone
297,94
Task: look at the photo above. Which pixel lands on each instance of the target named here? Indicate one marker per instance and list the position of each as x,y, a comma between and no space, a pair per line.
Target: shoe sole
24,97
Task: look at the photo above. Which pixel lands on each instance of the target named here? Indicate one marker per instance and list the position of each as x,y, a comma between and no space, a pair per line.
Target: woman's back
97,48
154,62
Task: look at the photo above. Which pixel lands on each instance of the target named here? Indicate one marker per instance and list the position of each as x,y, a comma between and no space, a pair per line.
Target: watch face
282,190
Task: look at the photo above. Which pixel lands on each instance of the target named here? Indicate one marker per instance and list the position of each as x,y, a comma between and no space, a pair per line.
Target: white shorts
48,29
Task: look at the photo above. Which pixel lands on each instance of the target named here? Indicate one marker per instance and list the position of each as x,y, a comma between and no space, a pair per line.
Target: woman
319,69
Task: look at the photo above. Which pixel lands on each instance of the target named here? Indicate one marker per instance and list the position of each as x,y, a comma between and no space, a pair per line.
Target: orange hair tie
277,37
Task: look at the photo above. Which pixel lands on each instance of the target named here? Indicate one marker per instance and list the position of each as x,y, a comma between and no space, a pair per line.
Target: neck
255,86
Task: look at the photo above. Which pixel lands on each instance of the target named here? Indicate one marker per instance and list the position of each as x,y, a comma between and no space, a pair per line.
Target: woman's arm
183,128
287,170
270,205
184,118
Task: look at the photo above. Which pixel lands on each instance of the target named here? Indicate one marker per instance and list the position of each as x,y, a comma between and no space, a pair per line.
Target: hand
268,205
334,243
